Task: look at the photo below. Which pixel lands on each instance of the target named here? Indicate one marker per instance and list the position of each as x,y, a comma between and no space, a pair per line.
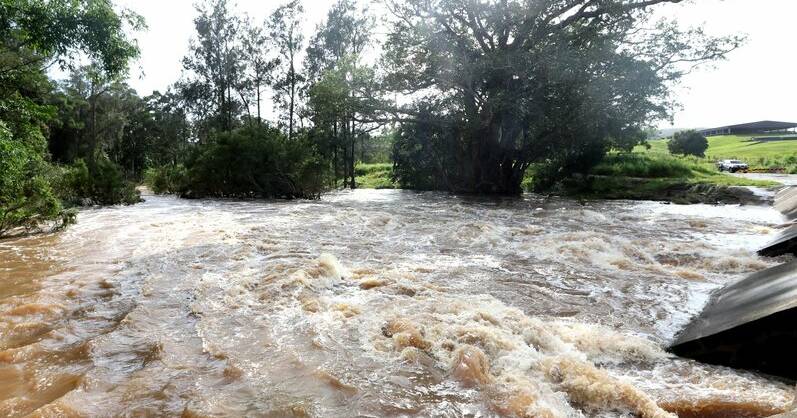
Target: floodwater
376,304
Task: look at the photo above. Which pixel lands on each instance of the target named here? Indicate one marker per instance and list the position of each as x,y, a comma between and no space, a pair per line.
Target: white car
732,166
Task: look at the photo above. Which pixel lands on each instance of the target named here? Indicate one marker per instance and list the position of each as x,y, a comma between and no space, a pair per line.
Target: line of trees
323,91
472,95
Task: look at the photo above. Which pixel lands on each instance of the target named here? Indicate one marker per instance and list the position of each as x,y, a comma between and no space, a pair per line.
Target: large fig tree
499,85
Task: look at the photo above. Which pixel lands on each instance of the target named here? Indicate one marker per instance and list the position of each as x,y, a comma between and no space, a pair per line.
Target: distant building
762,127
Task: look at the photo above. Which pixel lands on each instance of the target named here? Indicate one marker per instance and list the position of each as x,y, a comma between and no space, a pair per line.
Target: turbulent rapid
376,303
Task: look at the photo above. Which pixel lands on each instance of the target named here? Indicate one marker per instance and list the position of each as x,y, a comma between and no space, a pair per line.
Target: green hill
744,147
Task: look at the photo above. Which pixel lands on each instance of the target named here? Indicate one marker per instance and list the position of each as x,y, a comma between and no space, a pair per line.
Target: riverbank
659,177
671,190
633,176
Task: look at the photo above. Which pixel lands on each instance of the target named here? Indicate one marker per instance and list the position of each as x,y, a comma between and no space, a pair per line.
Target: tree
553,83
259,66
286,34
26,197
214,64
61,29
33,36
688,143
341,85
254,161
347,32
94,110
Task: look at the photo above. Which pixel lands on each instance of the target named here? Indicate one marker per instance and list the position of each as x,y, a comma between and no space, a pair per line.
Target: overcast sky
756,82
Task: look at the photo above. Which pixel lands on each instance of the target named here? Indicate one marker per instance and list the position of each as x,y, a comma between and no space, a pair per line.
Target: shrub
688,143
375,176
647,166
171,178
255,162
99,182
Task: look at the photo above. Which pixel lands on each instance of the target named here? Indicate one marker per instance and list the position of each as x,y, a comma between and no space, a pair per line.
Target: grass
374,176
665,167
660,176
648,166
759,155
637,175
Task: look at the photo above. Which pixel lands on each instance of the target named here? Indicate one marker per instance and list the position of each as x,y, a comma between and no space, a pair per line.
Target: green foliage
379,148
214,69
171,178
375,176
688,143
255,162
285,33
709,189
64,28
99,182
759,154
26,198
647,176
419,155
33,33
342,91
341,95
652,171
575,79
648,166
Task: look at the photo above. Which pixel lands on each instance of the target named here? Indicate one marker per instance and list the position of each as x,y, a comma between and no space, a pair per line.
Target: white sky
756,82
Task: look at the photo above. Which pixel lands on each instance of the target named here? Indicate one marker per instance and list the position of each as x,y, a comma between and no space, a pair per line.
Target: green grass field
374,176
765,154
668,168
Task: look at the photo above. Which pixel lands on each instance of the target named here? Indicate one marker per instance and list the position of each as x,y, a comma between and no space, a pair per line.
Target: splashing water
376,303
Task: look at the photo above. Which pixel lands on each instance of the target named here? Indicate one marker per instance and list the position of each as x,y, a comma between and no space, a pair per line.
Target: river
376,303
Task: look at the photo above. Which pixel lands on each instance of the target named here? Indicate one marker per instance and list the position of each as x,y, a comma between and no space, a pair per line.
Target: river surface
376,303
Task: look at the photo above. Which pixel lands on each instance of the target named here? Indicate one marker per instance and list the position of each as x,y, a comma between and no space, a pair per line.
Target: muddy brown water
376,303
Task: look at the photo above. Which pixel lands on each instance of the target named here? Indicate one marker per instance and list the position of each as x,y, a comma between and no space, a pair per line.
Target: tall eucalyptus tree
285,32
341,84
214,67
258,64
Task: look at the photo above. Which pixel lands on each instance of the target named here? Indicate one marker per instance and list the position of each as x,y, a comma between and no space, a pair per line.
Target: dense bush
255,162
688,143
375,176
420,157
98,182
26,196
171,178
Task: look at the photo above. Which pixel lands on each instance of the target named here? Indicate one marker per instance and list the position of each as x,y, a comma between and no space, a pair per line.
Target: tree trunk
362,148
352,142
335,144
495,168
293,93
259,123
